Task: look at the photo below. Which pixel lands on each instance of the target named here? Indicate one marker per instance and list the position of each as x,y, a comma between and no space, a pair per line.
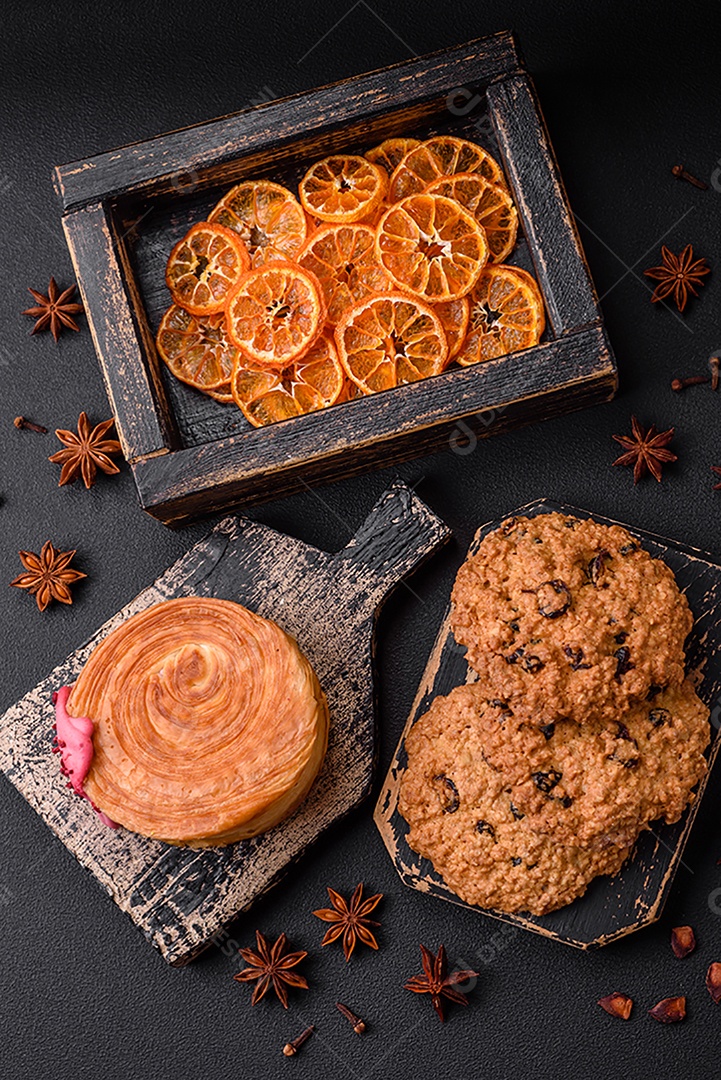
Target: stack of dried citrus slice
387,267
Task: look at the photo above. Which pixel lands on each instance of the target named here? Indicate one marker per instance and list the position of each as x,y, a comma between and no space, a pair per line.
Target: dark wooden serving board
612,907
125,209
182,898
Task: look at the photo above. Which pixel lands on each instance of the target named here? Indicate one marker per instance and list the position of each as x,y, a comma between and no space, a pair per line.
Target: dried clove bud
669,1010
713,982
291,1048
359,1026
618,1005
683,941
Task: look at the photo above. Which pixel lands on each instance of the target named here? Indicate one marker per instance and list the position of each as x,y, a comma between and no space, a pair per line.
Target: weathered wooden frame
574,369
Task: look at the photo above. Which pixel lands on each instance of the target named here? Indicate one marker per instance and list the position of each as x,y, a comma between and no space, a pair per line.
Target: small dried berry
517,815
653,692
659,716
486,829
618,1005
620,638
576,658
623,658
532,664
622,732
597,566
546,781
516,861
683,941
547,731
447,793
713,981
554,598
669,1010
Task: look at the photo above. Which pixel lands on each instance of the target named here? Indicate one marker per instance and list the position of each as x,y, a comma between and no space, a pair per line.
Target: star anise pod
48,575
678,275
436,981
54,310
350,919
645,450
270,965
86,452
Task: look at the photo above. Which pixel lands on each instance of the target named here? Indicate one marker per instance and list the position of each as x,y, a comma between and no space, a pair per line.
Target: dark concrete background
628,90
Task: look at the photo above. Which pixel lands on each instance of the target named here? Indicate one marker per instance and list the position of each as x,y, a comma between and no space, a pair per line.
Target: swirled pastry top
209,723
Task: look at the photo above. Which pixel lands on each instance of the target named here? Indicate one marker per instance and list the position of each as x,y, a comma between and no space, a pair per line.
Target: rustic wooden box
124,210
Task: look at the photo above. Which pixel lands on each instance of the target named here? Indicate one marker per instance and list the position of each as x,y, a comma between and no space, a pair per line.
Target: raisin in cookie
462,819
600,782
571,616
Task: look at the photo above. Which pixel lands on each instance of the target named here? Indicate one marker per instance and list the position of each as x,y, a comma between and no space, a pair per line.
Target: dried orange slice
431,247
391,152
343,188
221,394
204,266
506,315
442,155
196,348
454,316
275,313
343,258
388,340
491,206
267,217
350,391
313,382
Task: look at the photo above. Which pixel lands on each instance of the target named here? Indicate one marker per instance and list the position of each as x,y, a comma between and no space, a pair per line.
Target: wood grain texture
406,422
126,209
612,907
541,200
129,364
211,151
180,898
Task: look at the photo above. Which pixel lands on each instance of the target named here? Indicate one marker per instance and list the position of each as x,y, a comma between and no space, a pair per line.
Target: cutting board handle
398,534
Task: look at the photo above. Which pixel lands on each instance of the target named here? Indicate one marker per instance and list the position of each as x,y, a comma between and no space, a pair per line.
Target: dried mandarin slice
506,315
344,188
440,156
490,205
221,394
343,258
313,382
432,247
196,348
268,218
275,313
350,391
204,266
389,340
454,316
391,152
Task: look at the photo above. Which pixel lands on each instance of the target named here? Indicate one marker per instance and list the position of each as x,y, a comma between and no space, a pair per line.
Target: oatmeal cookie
571,616
461,818
601,782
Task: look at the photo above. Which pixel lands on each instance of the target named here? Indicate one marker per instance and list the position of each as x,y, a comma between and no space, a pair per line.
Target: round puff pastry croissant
210,724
